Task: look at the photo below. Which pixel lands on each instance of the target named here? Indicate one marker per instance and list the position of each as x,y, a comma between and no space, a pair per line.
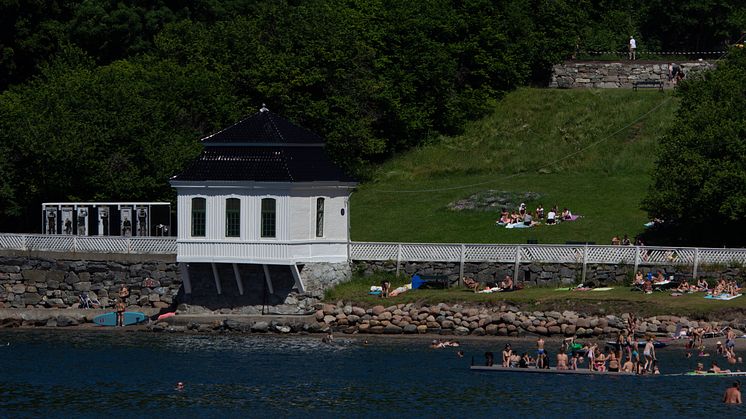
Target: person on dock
525,361
507,352
540,346
489,359
629,366
121,307
715,368
613,362
649,353
562,361
733,394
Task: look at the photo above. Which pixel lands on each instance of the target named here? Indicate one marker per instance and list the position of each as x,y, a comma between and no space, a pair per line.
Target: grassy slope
617,301
567,134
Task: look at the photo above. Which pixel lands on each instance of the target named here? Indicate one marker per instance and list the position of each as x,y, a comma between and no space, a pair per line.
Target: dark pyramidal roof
265,148
263,127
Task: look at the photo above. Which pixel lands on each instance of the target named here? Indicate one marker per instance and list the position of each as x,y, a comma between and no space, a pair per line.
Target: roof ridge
274,125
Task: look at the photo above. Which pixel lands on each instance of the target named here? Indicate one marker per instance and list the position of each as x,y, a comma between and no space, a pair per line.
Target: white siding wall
295,227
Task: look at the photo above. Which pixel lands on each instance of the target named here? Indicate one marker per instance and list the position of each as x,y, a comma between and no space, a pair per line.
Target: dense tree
105,99
699,184
116,132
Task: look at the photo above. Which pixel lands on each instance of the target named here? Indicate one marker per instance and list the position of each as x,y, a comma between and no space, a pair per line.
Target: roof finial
264,108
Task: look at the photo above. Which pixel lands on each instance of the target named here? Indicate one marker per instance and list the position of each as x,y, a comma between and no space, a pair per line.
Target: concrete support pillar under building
237,274
216,277
268,279
184,274
298,280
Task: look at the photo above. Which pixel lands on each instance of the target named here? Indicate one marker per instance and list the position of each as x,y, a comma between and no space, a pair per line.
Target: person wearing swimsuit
613,363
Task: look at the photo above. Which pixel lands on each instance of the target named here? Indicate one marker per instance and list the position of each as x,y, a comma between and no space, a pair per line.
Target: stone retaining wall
505,320
541,274
39,282
612,75
412,318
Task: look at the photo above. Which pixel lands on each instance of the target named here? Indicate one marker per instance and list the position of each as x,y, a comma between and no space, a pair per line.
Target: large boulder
260,327
64,321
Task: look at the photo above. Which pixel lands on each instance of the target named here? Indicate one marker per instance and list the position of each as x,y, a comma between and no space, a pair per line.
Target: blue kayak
110,319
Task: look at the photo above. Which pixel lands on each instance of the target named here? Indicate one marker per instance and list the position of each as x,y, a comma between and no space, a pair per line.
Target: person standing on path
121,306
632,48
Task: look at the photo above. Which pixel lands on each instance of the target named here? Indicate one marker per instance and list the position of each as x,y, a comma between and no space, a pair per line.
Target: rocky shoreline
400,319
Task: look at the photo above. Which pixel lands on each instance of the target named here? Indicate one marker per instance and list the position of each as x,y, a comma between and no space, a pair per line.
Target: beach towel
562,289
572,218
722,297
517,225
602,289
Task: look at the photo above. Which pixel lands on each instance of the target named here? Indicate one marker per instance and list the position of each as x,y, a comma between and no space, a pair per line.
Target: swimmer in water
179,386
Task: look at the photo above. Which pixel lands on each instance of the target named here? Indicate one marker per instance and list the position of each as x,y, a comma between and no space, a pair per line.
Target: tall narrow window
319,217
198,217
232,217
268,217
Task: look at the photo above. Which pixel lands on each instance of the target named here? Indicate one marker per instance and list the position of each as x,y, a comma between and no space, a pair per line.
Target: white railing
413,252
88,244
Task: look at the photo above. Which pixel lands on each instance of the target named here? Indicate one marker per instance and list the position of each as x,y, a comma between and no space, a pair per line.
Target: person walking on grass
632,48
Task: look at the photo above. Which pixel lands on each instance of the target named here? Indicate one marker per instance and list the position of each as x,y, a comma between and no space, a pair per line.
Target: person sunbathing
552,216
471,283
507,283
566,214
504,219
660,278
639,279
683,287
702,285
648,287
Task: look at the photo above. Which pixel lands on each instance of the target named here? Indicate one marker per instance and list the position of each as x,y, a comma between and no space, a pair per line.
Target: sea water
133,374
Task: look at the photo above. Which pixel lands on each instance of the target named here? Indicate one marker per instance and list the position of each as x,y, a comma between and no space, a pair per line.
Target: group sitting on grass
505,285
522,218
723,286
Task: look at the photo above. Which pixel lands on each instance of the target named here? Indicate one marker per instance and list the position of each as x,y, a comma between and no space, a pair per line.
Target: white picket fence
416,252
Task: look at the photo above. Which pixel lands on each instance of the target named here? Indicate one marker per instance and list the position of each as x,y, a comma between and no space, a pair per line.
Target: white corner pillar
298,280
184,273
237,274
216,277
268,279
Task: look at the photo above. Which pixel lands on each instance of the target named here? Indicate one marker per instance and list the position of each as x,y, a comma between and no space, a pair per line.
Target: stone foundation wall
612,75
42,282
533,274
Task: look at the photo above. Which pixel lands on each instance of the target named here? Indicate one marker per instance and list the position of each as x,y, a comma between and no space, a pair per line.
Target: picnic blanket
517,225
722,297
602,289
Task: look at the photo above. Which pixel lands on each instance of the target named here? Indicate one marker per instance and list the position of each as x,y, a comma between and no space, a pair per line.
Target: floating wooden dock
551,370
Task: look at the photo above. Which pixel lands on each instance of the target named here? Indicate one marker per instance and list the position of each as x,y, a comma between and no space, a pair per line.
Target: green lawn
617,301
589,150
